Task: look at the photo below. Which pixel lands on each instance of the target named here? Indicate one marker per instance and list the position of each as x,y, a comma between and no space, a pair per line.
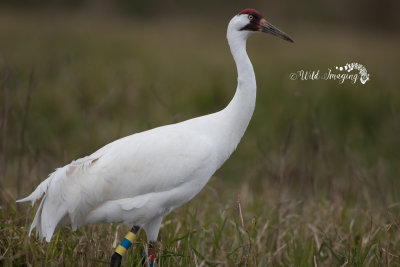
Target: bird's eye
251,17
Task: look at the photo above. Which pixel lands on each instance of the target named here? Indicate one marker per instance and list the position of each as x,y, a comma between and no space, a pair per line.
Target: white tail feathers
49,212
39,191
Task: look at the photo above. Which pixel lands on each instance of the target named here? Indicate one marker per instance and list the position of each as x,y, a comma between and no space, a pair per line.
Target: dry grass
315,181
210,232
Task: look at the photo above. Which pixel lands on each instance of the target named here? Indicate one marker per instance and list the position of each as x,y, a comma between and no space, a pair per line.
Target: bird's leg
123,247
150,256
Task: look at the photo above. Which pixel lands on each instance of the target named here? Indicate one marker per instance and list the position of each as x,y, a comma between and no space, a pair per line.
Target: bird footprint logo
364,76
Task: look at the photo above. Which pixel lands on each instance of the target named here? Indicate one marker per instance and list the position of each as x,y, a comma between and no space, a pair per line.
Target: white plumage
141,178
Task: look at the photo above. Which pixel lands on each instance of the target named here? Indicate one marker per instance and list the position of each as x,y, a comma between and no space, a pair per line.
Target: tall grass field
315,180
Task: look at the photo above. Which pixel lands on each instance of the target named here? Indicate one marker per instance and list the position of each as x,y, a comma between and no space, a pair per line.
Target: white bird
141,178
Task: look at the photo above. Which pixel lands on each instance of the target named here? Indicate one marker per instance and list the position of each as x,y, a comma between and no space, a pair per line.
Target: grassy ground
314,182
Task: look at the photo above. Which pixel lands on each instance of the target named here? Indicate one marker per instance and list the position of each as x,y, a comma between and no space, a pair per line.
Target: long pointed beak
269,28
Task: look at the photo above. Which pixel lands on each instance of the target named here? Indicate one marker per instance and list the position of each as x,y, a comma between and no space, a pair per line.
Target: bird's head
250,20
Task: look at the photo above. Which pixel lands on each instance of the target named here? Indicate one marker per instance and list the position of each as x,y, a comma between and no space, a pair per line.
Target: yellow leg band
130,236
120,250
125,244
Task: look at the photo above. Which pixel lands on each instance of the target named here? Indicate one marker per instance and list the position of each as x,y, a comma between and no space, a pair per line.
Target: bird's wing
153,161
131,168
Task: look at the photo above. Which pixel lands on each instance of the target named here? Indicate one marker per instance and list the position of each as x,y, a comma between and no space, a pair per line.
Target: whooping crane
140,178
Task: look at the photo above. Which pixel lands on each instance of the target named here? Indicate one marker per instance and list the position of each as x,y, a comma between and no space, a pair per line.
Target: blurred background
76,75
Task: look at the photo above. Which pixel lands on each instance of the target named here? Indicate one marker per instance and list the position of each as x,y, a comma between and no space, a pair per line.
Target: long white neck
238,113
